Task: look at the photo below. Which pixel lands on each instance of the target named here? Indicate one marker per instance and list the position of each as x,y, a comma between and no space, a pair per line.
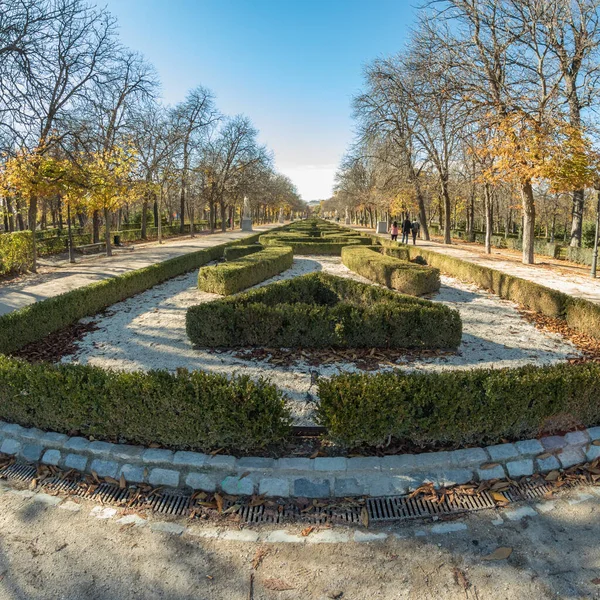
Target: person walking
406,229
395,231
415,228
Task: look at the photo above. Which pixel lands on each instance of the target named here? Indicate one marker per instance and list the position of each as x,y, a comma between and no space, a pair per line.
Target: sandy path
148,332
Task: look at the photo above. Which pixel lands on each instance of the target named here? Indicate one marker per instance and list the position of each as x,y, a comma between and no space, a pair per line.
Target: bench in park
91,248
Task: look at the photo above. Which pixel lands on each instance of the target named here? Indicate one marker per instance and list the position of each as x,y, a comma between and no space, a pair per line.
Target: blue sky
292,66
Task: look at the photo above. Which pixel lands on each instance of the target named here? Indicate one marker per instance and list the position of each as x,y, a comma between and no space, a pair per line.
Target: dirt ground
48,552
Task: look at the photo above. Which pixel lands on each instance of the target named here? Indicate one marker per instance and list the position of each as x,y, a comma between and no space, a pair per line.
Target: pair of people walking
408,228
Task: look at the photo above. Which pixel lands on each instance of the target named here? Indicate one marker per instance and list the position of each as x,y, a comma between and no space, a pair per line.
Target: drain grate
389,508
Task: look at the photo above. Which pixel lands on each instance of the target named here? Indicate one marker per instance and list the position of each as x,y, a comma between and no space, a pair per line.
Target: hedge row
235,252
319,310
581,315
231,277
34,322
16,252
187,410
390,267
318,248
481,406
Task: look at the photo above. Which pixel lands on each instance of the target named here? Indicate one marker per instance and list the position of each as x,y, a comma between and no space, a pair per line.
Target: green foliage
319,311
231,277
187,410
236,252
481,406
16,252
389,266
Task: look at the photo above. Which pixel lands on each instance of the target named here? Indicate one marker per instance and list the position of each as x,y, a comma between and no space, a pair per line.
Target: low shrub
235,252
581,256
481,406
231,277
583,315
389,267
320,310
187,410
319,247
16,252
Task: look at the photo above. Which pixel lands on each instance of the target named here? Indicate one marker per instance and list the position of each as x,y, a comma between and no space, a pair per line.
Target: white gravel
148,332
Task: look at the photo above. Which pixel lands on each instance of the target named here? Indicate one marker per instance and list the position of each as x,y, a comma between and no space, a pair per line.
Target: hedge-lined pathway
548,272
48,283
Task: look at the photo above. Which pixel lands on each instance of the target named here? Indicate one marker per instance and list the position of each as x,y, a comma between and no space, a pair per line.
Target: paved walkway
559,275
54,280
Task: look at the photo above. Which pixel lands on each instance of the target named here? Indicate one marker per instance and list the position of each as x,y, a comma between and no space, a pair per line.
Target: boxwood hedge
388,266
231,277
320,310
16,252
235,252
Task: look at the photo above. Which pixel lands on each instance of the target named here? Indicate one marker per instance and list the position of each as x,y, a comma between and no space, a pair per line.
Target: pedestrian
395,231
406,229
415,228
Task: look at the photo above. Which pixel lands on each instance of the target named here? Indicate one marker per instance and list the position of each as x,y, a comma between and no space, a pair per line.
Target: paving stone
47,499
545,507
529,447
553,442
295,464
166,477
448,527
245,535
547,464
51,457
454,477
335,463
519,513
280,536
238,487
100,448
255,463
23,493
105,468
77,443
201,481
221,462
520,468
12,429
498,521
367,536
274,487
577,438
594,433
30,434
133,473
132,520
165,527
51,438
503,452
496,472
103,512
76,461
571,456
126,452
399,462
315,488
348,486
328,536
189,459
31,452
581,497
469,457
203,532
10,446
70,506
367,463
157,456
592,453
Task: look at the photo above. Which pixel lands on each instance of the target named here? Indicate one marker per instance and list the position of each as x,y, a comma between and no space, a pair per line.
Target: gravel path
148,332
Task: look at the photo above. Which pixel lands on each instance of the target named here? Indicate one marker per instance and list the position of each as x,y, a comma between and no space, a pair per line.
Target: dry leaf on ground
277,585
501,553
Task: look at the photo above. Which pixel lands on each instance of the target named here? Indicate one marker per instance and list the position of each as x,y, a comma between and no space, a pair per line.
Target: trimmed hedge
231,277
187,410
36,321
383,266
481,406
16,252
236,252
319,310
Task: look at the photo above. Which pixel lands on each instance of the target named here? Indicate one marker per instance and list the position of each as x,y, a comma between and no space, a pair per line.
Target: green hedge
481,406
34,322
236,252
317,248
383,266
187,410
16,252
231,277
320,310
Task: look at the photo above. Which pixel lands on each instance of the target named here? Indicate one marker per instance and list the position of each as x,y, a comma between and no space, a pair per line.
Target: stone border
300,477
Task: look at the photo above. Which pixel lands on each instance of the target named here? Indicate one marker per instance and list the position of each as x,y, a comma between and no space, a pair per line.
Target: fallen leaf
307,531
596,443
259,555
244,474
364,517
501,553
499,498
489,465
277,585
552,476
122,482
596,581
219,501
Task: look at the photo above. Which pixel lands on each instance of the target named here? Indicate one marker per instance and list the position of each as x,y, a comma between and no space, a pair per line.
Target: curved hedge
318,311
235,252
231,277
385,267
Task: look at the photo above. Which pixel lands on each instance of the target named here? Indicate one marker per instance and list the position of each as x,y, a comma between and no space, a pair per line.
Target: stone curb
299,477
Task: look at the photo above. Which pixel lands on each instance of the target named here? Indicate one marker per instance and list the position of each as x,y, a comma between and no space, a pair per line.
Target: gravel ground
148,332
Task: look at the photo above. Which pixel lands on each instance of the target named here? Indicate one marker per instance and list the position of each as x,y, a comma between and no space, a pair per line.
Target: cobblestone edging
299,477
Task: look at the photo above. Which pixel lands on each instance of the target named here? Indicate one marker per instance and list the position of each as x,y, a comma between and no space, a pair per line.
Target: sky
291,66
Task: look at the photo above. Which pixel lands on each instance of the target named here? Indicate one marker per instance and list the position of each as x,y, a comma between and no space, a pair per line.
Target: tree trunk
11,216
144,233
447,208
487,200
223,216
182,209
70,234
155,210
95,227
528,223
32,218
577,219
422,213
107,232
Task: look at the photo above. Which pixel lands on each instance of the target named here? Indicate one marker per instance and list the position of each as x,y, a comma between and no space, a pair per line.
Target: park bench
91,248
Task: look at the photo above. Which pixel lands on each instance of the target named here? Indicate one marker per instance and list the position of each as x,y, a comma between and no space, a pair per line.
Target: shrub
16,252
385,267
481,406
235,252
320,310
187,410
583,316
231,277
